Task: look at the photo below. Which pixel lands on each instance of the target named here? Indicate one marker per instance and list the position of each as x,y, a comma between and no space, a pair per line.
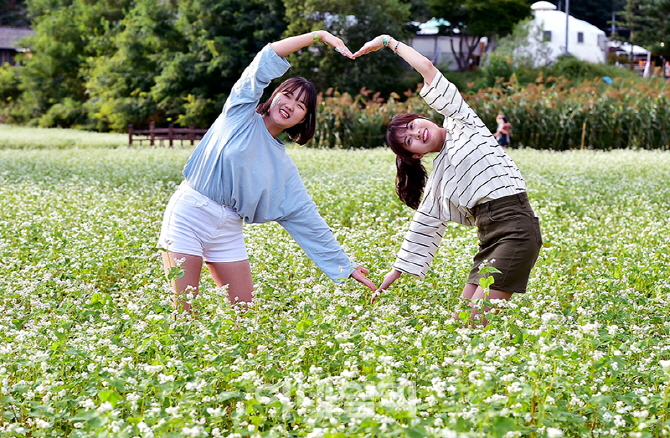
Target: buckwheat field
91,347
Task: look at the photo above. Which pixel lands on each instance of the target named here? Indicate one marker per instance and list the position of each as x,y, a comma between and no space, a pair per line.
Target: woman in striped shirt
473,182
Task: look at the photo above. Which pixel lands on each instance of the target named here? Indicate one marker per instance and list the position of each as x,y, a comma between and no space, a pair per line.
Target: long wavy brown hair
411,177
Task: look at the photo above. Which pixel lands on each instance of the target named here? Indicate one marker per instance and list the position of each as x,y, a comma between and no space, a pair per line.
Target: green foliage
67,112
327,68
9,84
646,23
577,71
11,110
68,33
90,345
109,63
655,32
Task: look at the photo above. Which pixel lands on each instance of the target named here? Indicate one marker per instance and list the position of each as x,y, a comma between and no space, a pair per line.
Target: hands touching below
359,275
389,278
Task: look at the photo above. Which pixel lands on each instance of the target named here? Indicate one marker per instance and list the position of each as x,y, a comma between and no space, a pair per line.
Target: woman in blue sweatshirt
240,171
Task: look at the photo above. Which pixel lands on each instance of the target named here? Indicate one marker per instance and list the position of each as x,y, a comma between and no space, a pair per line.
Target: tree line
104,64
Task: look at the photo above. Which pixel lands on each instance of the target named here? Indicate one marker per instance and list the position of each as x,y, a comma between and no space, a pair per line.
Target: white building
585,41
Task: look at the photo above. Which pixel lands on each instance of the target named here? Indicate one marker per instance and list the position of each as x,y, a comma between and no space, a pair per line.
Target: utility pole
567,20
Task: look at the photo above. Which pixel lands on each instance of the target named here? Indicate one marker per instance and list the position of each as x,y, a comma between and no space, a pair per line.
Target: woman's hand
359,276
389,278
292,44
372,46
333,41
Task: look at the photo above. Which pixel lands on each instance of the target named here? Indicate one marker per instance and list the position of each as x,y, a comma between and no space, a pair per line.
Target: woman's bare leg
237,275
190,282
473,292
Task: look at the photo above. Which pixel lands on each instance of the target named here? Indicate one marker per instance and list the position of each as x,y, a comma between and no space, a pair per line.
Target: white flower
552,432
194,432
87,404
41,423
105,407
152,369
162,378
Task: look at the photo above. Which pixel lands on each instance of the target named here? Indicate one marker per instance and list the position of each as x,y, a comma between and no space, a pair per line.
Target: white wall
592,48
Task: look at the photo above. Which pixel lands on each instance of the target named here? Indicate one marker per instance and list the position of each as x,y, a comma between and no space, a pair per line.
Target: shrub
549,114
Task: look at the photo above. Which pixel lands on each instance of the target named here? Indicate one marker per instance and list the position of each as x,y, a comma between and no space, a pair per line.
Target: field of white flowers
89,348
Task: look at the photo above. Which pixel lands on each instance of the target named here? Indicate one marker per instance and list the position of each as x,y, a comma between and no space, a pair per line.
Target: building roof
543,6
626,48
10,36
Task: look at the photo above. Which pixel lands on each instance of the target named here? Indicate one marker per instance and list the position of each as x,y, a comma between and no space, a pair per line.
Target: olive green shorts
509,240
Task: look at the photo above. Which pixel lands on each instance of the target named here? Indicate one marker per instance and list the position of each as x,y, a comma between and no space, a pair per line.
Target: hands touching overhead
333,41
373,45
369,47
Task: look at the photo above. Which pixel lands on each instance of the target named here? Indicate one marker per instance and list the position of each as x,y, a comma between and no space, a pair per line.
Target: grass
21,137
89,348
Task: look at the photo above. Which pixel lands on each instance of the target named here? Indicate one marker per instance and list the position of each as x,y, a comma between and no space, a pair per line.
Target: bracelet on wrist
315,35
396,48
385,40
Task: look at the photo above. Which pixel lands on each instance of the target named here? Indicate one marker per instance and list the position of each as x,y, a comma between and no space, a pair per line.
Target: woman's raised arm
292,44
413,58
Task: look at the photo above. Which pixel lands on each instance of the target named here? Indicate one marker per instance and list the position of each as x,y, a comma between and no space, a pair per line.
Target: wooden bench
161,134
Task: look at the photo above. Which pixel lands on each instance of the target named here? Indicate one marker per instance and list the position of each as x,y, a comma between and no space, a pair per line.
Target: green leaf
111,396
502,425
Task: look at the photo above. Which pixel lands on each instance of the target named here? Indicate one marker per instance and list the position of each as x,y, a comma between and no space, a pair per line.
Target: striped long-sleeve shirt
470,169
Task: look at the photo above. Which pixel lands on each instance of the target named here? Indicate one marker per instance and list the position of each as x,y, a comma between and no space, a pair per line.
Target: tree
106,63
473,19
355,22
177,61
68,32
654,34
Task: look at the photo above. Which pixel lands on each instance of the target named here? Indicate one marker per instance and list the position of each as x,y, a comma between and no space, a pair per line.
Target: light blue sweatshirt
239,164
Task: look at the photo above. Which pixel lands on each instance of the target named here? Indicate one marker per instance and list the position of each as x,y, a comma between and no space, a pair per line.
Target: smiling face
287,109
291,109
422,136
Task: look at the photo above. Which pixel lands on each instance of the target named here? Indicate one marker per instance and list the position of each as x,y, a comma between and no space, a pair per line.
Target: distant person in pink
502,133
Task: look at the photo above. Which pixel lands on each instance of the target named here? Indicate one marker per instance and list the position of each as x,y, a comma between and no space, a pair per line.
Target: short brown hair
304,131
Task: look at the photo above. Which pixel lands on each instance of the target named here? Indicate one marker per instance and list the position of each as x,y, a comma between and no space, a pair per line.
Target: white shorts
195,225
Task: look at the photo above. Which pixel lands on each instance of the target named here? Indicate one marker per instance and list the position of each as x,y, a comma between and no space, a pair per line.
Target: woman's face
286,110
423,136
